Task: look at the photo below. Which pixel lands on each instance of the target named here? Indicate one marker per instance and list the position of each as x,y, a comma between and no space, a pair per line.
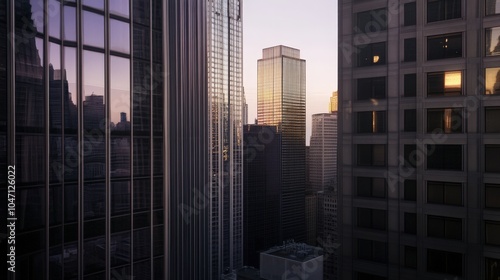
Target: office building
262,190
281,101
244,108
104,116
312,216
323,151
292,261
418,139
225,88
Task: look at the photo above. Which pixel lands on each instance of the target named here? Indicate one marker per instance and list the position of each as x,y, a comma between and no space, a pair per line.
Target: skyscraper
281,101
334,102
262,190
244,108
106,126
225,88
418,108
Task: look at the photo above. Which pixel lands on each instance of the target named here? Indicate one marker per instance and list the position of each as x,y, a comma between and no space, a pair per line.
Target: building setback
281,101
419,192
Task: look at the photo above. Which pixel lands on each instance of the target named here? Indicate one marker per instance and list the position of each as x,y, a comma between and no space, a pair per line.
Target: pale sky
310,26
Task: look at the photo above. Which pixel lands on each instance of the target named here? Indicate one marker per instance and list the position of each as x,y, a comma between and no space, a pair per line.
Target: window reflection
120,7
119,36
69,23
54,18
492,41
120,198
492,81
93,31
492,7
120,93
98,4
444,83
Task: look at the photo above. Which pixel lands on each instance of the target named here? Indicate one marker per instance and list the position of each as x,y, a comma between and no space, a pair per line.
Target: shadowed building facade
106,124
419,186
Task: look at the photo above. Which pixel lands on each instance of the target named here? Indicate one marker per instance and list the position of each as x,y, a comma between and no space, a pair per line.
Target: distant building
261,190
244,108
323,151
281,101
311,218
292,261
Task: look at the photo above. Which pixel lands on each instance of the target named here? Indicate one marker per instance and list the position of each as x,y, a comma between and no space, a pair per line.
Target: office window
371,88
410,14
492,81
492,196
366,276
444,227
410,120
410,49
492,7
444,262
371,187
491,155
492,269
492,119
410,190
444,120
371,155
444,46
410,257
444,193
410,156
372,250
371,21
444,83
492,38
410,223
371,122
372,218
444,157
492,230
371,54
438,10
410,85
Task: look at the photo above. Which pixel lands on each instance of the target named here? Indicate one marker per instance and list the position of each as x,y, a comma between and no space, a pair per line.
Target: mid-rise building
281,102
419,107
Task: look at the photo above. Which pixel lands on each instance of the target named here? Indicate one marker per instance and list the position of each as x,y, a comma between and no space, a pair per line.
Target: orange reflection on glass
376,58
452,81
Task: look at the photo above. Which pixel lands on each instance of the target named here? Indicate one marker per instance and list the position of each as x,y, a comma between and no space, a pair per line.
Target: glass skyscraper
226,136
281,101
104,116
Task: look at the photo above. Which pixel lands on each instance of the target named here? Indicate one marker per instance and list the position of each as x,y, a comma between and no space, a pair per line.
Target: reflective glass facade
281,101
225,88
99,137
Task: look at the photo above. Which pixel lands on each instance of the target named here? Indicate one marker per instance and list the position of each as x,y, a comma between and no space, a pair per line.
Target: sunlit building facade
281,101
225,86
108,148
419,192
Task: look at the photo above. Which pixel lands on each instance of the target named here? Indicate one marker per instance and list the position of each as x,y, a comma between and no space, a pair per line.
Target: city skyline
310,27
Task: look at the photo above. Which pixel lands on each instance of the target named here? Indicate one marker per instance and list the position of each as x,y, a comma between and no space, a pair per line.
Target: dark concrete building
262,190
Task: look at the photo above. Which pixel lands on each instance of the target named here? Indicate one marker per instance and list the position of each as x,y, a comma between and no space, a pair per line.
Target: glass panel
93,115
32,209
410,14
93,31
142,160
492,119
443,10
492,196
120,7
120,249
70,261
410,49
70,93
120,93
30,158
492,154
94,200
492,81
98,4
120,36
54,18
70,203
34,11
142,195
410,85
444,83
55,202
142,243
492,7
120,198
94,255
410,190
69,23
444,46
492,266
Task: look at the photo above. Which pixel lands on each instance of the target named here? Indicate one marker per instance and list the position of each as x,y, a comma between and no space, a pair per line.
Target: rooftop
295,251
